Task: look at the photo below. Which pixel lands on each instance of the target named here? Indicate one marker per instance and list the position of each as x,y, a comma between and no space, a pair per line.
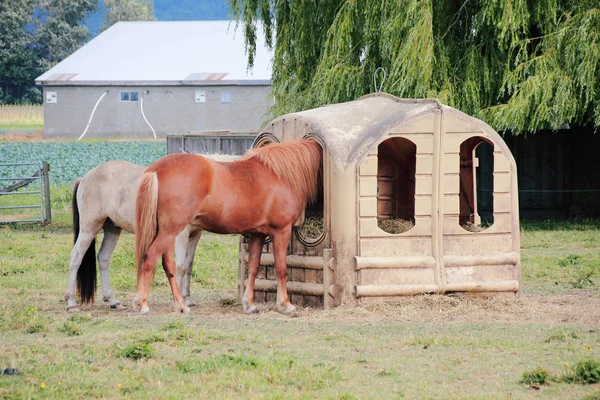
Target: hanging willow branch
520,65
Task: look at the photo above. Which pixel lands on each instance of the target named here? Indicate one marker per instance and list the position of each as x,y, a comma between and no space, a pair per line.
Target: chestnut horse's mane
296,163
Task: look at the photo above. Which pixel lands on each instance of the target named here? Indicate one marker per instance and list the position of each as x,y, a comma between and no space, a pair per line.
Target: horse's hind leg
255,244
169,265
84,240
162,245
111,237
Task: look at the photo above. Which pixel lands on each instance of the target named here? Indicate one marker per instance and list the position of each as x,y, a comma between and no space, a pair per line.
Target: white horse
104,199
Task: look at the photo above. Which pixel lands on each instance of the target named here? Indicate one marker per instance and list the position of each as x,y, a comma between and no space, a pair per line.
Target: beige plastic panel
476,244
502,203
502,182
451,163
424,142
423,205
368,207
451,205
451,184
501,162
395,276
423,184
424,164
395,246
480,273
368,186
369,166
455,123
452,141
425,124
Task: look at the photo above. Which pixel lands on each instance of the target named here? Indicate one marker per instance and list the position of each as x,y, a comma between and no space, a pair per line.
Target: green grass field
21,118
421,347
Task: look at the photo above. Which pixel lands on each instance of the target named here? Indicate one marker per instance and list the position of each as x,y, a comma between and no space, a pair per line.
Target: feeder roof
349,130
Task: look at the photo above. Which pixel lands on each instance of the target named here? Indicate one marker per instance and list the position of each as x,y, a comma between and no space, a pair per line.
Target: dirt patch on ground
580,308
36,136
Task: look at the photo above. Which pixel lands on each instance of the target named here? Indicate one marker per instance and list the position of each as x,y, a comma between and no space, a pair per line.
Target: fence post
47,208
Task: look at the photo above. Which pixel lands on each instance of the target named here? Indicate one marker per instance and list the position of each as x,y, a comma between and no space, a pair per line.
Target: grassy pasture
420,347
19,118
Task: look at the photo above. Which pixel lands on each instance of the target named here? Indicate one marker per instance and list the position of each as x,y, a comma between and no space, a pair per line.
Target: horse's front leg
255,245
185,246
281,240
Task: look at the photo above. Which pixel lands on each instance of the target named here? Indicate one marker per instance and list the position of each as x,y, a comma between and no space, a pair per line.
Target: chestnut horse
260,195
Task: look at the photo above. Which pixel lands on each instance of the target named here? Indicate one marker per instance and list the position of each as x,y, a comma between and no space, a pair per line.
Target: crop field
544,345
68,160
21,118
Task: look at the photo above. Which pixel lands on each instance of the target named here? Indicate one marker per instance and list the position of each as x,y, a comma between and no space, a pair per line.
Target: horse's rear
102,199
261,195
168,198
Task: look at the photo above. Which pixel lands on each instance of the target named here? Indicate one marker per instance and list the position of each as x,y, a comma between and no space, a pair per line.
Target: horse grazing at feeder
104,199
260,195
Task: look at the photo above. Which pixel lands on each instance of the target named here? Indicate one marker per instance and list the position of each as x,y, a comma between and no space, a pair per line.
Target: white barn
137,79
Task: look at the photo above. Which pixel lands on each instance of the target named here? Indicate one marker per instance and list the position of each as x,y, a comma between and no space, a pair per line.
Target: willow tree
520,65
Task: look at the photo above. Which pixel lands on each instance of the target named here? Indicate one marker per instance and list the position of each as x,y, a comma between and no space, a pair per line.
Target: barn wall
169,109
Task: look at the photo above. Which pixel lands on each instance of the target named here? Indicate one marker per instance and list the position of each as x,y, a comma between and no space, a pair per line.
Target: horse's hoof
251,309
287,310
189,302
74,308
144,310
116,306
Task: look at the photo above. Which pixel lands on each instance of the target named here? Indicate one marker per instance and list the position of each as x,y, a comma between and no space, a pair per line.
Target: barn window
396,163
225,97
130,96
476,184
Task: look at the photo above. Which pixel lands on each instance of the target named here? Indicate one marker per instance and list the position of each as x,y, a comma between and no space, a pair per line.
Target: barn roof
164,52
349,130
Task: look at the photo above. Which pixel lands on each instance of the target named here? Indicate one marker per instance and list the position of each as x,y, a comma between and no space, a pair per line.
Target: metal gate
25,192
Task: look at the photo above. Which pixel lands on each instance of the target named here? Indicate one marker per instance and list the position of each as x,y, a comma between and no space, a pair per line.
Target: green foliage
36,34
561,335
586,372
127,10
520,65
537,376
70,329
137,351
59,29
71,160
17,53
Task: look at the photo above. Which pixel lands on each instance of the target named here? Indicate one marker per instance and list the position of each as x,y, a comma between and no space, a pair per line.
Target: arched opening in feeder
310,229
396,167
476,184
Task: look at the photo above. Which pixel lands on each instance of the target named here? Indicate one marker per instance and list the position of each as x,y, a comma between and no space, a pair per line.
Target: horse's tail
86,274
146,224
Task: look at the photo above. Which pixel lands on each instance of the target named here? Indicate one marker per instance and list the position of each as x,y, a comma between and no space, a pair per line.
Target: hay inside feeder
473,227
394,225
312,228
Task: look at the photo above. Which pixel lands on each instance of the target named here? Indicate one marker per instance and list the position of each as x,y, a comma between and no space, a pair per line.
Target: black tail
86,274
